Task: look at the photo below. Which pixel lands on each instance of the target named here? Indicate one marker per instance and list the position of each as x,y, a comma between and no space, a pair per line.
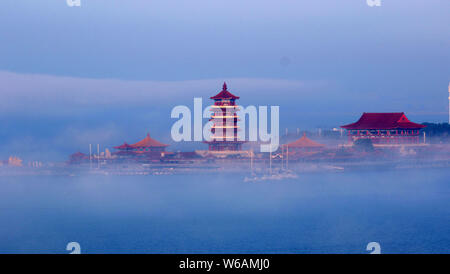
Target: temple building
146,146
304,144
384,129
301,148
124,149
78,158
225,129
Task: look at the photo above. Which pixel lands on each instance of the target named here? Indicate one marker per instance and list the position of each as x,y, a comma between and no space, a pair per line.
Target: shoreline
259,168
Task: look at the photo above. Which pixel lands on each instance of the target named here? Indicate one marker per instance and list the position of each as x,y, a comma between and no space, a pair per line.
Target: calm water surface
405,211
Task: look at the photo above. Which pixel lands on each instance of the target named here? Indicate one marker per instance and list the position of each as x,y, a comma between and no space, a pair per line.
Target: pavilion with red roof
124,146
78,158
147,144
384,128
304,143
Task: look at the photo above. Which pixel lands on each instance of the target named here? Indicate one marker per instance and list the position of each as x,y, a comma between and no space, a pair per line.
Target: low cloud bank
46,94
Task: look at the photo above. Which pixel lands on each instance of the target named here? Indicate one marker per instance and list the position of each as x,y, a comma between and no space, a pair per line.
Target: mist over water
406,211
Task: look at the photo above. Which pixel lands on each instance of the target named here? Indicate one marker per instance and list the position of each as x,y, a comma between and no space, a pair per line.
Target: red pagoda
384,128
225,129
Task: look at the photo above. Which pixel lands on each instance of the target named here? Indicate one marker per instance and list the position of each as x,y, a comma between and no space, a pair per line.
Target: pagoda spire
224,94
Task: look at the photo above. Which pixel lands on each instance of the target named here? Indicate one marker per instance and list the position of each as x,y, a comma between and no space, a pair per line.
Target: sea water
405,211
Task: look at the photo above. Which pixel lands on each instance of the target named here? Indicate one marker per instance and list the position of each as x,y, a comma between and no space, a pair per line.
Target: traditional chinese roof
78,155
304,142
124,146
224,94
148,142
383,121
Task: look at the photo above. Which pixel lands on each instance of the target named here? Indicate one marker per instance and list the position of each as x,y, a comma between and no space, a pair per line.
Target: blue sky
111,70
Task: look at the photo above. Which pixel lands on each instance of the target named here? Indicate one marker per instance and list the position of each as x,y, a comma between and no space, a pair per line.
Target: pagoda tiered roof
383,121
224,94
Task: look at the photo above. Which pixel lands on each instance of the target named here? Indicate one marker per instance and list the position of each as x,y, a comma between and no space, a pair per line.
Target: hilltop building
384,129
